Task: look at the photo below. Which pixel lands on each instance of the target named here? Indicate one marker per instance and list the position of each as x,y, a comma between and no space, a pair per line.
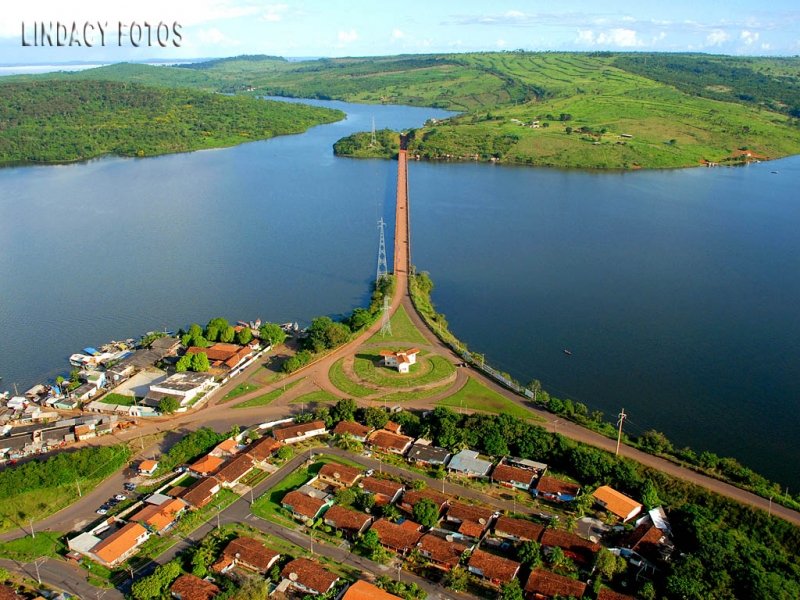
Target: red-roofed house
121,545
517,530
262,450
575,547
387,441
384,490
206,466
544,585
247,553
513,477
556,490
309,576
440,552
289,434
350,522
496,569
224,356
189,587
362,590
400,360
303,507
356,430
400,538
339,475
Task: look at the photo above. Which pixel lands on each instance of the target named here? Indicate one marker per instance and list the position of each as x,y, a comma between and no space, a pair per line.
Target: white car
370,472
120,497
101,511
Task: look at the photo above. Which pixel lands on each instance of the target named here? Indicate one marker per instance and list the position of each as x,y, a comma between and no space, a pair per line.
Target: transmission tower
372,141
386,324
383,270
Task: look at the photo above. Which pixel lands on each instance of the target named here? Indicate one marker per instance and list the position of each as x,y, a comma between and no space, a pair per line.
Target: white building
401,360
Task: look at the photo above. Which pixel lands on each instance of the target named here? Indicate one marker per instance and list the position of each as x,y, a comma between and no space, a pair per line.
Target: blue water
676,291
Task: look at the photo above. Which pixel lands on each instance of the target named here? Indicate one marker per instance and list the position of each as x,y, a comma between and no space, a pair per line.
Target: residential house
574,547
201,492
423,453
607,594
226,449
649,542
467,463
411,497
290,434
400,360
223,356
309,576
234,470
517,530
442,553
398,538
495,569
120,545
303,507
247,553
386,441
523,463
262,450
159,518
208,465
472,521
168,346
9,593
356,430
544,585
189,587
393,427
556,490
350,522
148,467
362,590
384,490
83,392
184,387
617,503
513,477
84,432
339,475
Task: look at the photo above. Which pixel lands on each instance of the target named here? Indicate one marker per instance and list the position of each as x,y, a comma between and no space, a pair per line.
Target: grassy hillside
57,121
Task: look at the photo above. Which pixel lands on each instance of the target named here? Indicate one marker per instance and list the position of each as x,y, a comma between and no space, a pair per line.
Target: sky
315,28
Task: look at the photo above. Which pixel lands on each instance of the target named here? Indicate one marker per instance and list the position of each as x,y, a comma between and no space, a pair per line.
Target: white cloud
274,12
585,36
749,37
766,46
717,37
348,36
500,43
398,35
215,36
623,38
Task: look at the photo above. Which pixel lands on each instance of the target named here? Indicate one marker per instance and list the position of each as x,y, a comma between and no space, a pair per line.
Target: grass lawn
119,399
428,369
243,388
477,396
27,549
415,395
318,397
267,398
403,330
344,384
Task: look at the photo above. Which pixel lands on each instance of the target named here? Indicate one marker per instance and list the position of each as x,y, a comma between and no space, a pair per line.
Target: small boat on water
774,172
567,352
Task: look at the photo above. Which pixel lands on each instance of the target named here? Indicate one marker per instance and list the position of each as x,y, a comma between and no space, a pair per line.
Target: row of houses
39,438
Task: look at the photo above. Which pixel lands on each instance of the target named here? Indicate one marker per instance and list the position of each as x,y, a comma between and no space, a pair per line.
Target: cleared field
344,384
403,330
476,396
267,398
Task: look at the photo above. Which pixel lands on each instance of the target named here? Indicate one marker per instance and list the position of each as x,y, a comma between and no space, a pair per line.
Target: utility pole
769,514
622,417
33,534
219,508
80,495
38,577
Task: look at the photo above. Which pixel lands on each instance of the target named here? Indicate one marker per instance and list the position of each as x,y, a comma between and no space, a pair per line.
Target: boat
774,172
568,352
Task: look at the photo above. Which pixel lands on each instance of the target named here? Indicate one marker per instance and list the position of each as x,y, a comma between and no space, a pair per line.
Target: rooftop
184,381
549,584
494,567
381,486
519,528
617,502
508,474
607,594
398,537
235,468
390,441
340,472
411,497
576,547
302,504
208,464
440,550
200,492
189,587
118,544
551,485
346,518
251,552
264,448
292,431
353,428
362,590
429,454
467,512
309,574
467,461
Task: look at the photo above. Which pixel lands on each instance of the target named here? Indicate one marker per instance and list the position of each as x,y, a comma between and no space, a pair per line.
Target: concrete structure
467,463
400,360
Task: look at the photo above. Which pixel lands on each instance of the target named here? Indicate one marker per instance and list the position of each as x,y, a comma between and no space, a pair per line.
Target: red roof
361,590
441,551
519,528
346,518
201,491
549,585
251,552
340,473
551,485
353,428
303,505
189,587
235,469
495,568
292,431
396,537
411,497
120,543
389,441
575,547
264,448
466,512
310,575
382,487
507,474
607,594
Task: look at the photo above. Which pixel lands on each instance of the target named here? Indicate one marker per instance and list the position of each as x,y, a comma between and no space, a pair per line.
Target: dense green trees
54,121
190,447
272,333
325,334
344,410
426,513
168,405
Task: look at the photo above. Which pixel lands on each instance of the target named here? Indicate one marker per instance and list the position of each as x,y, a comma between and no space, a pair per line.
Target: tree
365,502
212,333
650,495
375,417
285,453
557,556
323,413
606,563
227,334
457,579
344,410
648,592
168,405
346,441
146,588
345,496
426,513
529,554
184,363
370,541
391,513
195,330
419,484
244,336
200,362
361,317
234,432
569,130
511,591
3,575
272,333
655,442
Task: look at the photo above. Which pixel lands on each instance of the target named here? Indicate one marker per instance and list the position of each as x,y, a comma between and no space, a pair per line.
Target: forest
61,121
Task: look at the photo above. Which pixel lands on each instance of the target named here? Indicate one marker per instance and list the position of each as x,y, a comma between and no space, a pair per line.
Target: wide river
677,292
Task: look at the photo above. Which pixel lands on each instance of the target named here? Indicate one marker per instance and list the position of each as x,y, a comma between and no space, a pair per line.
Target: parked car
370,472
120,497
112,501
102,510
129,487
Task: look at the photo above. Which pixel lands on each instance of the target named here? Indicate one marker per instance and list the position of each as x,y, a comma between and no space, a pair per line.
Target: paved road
63,576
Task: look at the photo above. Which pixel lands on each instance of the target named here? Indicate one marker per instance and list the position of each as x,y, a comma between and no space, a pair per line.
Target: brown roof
507,473
353,428
9,593
645,540
494,567
575,547
607,594
392,427
551,485
119,543
208,464
264,448
220,352
381,486
471,529
346,518
389,440
147,465
309,574
546,583
519,528
251,552
199,493
411,497
396,536
189,587
292,431
441,551
466,512
302,504
340,472
235,468
362,590
159,516
228,446
616,502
